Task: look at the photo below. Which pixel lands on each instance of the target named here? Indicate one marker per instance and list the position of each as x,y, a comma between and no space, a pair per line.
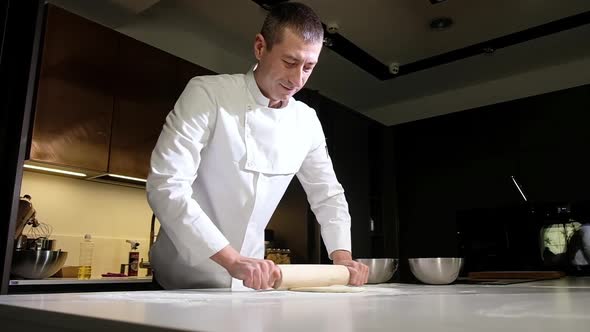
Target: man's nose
296,77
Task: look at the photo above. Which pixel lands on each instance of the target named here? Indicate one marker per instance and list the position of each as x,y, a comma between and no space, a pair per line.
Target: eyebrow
291,57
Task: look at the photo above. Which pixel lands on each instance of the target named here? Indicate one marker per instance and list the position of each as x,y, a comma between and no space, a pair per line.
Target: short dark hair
296,16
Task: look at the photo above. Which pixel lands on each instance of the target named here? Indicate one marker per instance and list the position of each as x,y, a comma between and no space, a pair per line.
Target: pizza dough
329,289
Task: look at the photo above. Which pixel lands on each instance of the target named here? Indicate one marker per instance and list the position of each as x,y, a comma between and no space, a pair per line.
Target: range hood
121,180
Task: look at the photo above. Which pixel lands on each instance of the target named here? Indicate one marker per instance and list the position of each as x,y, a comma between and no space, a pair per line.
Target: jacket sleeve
174,164
324,193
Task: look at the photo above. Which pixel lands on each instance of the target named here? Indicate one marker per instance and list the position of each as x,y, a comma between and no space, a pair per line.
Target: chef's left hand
359,272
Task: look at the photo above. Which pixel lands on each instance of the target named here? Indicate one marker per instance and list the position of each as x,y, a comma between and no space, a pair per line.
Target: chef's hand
255,273
359,272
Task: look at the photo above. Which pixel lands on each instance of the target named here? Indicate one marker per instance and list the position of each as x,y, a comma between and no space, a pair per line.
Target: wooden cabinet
146,90
74,93
102,97
149,83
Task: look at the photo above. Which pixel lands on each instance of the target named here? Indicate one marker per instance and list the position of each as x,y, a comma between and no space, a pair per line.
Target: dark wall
289,224
464,160
358,147
21,22
348,144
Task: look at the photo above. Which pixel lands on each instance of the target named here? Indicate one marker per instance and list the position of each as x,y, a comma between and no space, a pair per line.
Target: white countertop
556,305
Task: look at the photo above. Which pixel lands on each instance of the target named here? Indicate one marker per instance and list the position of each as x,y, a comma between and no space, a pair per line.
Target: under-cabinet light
127,177
54,170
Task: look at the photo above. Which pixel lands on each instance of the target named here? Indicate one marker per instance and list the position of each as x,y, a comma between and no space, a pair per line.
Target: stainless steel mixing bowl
37,264
436,271
380,269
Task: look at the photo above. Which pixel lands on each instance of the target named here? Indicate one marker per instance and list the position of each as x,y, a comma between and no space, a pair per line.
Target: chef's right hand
255,273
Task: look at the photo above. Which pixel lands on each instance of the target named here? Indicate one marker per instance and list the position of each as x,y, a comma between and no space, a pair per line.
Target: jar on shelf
278,256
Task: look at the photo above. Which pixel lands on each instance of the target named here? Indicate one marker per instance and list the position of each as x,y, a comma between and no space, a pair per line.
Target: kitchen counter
68,281
73,285
554,305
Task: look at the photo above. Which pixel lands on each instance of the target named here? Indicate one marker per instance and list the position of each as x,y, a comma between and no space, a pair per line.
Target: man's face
284,70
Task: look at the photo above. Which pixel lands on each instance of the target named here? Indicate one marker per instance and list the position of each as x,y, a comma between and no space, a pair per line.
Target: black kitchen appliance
531,236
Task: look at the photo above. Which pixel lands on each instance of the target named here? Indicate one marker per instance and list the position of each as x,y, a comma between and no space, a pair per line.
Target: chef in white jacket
226,155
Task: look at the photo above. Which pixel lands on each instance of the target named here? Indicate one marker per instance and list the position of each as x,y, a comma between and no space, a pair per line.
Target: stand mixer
35,257
38,232
26,215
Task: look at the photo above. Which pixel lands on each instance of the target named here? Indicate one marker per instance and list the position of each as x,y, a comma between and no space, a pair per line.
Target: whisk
38,229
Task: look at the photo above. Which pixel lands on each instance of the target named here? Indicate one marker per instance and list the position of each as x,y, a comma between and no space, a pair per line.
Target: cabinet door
146,92
74,95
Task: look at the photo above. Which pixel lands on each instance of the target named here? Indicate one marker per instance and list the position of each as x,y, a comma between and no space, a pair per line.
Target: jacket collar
255,90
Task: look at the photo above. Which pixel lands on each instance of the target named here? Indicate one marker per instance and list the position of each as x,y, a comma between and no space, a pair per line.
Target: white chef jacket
218,171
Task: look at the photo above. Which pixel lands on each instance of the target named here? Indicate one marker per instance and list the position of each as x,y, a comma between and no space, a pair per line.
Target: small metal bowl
380,269
436,271
37,264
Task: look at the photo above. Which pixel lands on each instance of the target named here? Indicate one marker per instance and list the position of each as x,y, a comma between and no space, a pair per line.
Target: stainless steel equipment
23,242
380,269
43,243
436,271
37,264
40,230
26,215
34,255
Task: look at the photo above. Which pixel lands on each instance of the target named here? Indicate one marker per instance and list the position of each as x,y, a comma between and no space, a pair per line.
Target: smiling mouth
288,89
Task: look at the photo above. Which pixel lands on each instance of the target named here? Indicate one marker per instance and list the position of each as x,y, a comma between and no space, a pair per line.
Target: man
226,155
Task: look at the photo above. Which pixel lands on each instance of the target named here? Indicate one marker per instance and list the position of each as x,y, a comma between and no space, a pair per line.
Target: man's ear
259,46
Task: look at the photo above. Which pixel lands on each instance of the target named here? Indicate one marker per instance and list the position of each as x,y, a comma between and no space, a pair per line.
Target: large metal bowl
380,269
436,271
37,264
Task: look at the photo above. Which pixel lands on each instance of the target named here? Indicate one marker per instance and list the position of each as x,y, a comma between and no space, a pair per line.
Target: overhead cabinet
145,93
102,97
74,104
149,83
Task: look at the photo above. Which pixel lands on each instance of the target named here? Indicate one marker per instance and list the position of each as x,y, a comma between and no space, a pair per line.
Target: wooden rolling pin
311,275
